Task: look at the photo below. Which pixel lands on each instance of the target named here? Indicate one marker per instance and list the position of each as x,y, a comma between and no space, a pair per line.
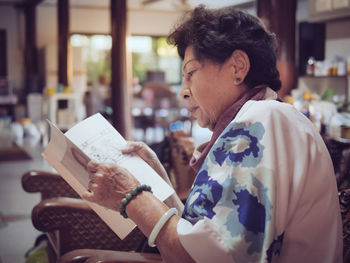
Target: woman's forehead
189,57
189,54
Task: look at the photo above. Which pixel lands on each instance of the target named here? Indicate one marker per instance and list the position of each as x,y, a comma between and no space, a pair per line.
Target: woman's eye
191,73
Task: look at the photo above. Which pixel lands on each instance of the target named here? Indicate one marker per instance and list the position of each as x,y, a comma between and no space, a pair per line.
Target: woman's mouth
193,109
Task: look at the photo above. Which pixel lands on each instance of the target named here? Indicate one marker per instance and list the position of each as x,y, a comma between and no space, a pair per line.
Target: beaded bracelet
130,196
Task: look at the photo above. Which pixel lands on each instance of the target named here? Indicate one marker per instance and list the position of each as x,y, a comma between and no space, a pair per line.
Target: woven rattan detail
181,174
83,229
344,198
49,185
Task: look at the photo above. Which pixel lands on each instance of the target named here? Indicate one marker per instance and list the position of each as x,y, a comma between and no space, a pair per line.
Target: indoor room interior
66,60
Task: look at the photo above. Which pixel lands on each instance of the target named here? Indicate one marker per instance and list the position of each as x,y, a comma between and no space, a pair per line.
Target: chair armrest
182,174
48,184
344,199
78,226
106,256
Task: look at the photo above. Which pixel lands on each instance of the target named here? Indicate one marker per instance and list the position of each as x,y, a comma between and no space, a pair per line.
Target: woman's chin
203,124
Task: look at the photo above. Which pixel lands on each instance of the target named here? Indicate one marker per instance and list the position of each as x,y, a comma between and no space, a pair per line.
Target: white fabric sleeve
200,238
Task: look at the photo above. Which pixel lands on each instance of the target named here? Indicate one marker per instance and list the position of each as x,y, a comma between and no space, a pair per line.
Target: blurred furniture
71,224
344,199
35,107
181,174
47,184
7,105
159,95
339,150
320,84
156,105
63,109
68,221
175,152
105,256
8,100
328,10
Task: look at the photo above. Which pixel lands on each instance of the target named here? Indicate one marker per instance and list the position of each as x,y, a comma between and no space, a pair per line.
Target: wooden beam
63,38
3,53
121,117
30,50
279,17
35,2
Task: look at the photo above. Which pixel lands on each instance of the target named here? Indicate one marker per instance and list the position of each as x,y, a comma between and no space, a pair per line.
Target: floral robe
266,192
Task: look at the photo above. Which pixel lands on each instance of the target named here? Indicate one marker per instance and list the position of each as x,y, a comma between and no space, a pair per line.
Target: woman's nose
185,92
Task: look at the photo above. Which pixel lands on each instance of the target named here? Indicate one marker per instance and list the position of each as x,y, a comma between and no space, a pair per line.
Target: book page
98,140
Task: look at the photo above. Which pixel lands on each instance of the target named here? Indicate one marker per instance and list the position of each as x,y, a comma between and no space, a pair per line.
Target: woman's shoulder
263,107
270,111
277,118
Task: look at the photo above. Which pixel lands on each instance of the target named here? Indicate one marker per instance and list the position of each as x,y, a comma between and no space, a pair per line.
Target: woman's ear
241,66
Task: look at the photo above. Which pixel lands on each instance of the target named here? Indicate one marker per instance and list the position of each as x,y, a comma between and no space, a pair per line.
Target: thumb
128,148
88,196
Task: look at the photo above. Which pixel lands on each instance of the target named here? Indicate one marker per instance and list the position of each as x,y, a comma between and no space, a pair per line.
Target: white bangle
161,222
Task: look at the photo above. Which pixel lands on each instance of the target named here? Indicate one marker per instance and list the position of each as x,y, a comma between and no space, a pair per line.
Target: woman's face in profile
208,88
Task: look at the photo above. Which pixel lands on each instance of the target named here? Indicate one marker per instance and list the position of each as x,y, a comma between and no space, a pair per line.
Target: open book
95,139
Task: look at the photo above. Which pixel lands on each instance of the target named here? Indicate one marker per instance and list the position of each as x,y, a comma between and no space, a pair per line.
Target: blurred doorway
91,71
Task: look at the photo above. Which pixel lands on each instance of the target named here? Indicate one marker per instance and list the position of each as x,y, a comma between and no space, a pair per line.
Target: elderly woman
265,188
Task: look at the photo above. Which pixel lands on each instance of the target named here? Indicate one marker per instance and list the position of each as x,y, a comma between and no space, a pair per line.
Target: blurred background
64,60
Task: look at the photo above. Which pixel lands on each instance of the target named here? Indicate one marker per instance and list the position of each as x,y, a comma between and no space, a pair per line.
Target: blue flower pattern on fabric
239,145
242,191
251,213
203,197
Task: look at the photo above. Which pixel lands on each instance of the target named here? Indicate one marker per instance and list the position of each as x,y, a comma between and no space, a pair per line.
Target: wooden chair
180,151
47,184
67,220
340,154
344,199
71,224
104,256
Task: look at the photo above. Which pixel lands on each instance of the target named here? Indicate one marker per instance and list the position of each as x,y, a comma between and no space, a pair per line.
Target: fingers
142,150
93,194
92,166
89,196
132,147
99,179
110,176
94,197
102,168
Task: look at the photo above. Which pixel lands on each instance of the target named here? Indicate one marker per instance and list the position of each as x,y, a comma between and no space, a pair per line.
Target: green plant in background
328,94
96,67
148,54
159,57
38,255
141,63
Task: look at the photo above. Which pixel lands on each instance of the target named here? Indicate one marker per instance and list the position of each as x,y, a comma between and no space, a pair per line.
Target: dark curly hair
216,33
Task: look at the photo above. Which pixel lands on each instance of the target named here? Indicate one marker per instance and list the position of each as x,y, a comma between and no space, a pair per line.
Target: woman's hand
148,155
108,184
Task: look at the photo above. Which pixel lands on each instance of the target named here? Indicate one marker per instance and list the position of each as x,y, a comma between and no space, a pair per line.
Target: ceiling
161,5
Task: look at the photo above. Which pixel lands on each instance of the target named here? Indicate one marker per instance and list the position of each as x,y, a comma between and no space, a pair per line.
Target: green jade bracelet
130,196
